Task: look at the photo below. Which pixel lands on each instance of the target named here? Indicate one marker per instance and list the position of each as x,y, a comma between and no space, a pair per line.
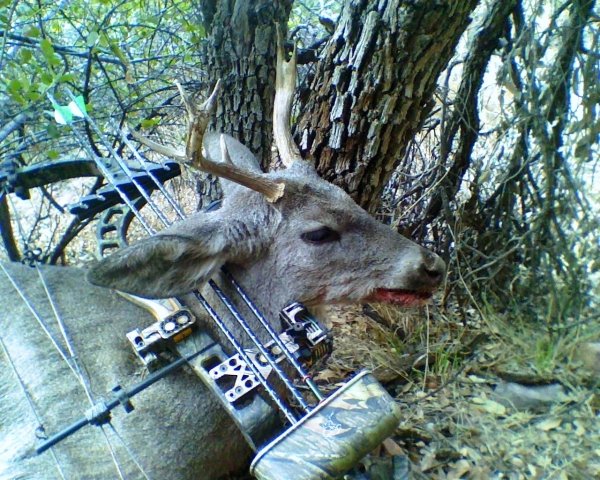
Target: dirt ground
462,387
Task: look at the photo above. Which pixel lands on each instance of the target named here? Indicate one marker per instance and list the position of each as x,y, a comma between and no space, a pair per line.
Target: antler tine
272,190
157,147
208,106
285,85
211,102
189,106
198,119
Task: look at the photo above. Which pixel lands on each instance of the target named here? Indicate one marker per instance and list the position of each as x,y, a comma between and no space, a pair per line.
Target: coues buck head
288,234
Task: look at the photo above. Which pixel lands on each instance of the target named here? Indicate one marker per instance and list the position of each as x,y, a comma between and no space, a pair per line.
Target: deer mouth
406,298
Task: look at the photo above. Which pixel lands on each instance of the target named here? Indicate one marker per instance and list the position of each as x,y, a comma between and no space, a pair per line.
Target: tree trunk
241,51
373,88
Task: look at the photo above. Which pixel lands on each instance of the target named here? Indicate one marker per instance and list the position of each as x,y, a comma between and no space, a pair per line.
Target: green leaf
47,48
33,32
17,97
33,95
92,39
67,77
25,55
25,83
47,77
14,86
52,131
54,61
104,41
118,52
53,154
150,122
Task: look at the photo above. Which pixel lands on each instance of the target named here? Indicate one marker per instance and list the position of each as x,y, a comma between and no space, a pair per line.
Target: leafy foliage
120,56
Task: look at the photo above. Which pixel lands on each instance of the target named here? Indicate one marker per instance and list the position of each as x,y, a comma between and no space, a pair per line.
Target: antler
285,84
198,119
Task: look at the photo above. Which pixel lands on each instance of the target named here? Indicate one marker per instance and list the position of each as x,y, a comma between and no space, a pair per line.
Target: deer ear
158,267
177,260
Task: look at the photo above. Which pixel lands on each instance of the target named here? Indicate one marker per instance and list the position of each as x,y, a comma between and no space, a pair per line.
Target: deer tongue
405,298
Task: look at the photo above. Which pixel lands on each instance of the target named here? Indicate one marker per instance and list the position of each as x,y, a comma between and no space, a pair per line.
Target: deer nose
432,269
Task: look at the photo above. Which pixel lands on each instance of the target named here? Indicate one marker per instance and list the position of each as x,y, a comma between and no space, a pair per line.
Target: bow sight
321,437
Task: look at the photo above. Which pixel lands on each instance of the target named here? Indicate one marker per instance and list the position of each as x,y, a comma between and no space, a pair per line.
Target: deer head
288,235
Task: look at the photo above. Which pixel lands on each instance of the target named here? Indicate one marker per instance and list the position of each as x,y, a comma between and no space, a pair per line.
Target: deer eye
321,235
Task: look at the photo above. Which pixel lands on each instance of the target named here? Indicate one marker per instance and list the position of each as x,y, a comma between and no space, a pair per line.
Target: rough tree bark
241,49
373,88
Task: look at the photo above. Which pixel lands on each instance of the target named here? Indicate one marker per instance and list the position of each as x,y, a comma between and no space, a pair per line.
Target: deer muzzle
416,278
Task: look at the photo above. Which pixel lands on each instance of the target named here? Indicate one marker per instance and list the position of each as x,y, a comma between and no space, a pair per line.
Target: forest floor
488,398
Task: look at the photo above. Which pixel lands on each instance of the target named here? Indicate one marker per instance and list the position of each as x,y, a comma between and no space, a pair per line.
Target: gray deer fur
178,430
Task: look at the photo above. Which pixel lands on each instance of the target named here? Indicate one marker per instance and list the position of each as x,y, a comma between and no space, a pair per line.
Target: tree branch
60,49
8,237
13,124
465,116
